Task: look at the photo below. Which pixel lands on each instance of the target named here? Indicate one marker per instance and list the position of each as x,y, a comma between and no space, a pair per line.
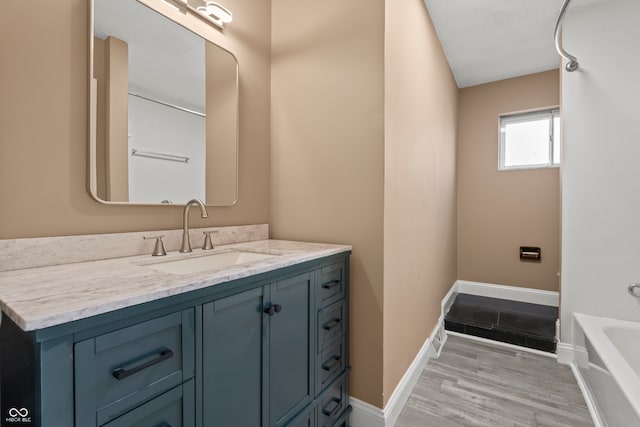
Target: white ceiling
490,40
166,61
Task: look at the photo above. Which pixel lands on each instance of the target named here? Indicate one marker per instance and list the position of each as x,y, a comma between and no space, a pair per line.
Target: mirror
163,111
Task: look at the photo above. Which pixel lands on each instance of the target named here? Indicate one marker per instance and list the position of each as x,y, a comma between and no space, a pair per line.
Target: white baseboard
514,293
404,388
565,353
367,415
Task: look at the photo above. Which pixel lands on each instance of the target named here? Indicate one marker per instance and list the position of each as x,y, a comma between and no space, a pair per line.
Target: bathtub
607,356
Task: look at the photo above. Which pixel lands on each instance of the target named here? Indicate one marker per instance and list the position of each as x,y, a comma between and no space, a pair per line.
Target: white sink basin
208,262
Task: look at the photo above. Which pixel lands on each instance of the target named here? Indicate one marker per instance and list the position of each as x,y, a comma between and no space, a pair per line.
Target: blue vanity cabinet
258,354
269,350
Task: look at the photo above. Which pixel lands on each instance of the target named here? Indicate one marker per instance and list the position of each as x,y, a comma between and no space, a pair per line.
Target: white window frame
550,113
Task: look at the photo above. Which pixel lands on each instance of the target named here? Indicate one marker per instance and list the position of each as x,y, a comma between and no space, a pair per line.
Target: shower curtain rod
572,65
177,107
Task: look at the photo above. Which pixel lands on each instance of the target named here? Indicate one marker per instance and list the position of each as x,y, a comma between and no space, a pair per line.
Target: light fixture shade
219,12
180,5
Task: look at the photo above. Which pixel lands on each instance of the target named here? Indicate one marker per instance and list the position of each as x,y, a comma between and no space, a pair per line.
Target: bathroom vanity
123,342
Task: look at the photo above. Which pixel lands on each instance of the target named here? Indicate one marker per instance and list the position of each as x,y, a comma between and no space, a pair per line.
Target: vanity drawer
175,408
330,364
331,284
333,402
114,372
330,324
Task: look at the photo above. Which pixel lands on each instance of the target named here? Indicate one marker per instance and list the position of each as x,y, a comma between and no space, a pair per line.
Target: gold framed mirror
163,110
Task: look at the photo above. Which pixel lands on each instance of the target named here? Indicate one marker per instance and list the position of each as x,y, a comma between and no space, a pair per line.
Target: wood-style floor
478,384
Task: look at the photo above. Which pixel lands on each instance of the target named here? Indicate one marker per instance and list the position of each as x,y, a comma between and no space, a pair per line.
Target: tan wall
44,115
116,61
420,184
222,98
327,151
500,211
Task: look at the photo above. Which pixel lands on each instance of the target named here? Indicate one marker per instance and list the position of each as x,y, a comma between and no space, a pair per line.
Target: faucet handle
207,240
158,249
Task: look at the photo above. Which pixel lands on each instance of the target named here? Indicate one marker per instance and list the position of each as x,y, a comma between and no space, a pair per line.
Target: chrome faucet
186,245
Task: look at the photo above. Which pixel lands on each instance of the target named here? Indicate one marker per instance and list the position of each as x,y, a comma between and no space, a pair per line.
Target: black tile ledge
514,322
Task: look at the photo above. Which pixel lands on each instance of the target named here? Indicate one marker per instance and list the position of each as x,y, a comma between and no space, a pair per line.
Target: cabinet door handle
331,284
336,405
334,361
332,324
273,309
121,373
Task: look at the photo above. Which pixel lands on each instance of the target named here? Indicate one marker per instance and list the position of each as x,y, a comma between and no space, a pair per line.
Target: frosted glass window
530,140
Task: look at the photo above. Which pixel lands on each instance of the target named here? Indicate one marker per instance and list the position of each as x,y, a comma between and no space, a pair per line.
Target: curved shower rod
572,65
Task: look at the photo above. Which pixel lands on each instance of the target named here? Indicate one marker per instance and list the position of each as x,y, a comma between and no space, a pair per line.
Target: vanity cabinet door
290,379
257,355
232,330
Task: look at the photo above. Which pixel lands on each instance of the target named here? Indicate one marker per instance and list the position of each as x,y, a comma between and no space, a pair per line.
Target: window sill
519,168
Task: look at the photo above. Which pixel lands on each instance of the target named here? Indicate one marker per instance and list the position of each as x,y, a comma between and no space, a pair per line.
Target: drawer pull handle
336,405
121,373
332,324
335,361
331,284
277,308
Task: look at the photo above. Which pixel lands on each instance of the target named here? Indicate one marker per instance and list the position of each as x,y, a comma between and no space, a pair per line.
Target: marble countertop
37,298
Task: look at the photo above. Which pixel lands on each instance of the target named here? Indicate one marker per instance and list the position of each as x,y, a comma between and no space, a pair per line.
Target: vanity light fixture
211,11
217,12
180,5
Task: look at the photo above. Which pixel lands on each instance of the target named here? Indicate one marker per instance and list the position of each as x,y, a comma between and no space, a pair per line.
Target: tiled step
513,322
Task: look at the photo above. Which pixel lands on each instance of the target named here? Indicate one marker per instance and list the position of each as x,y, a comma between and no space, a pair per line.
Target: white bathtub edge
586,393
616,364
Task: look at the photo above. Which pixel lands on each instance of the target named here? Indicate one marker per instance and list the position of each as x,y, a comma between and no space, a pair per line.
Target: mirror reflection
164,105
